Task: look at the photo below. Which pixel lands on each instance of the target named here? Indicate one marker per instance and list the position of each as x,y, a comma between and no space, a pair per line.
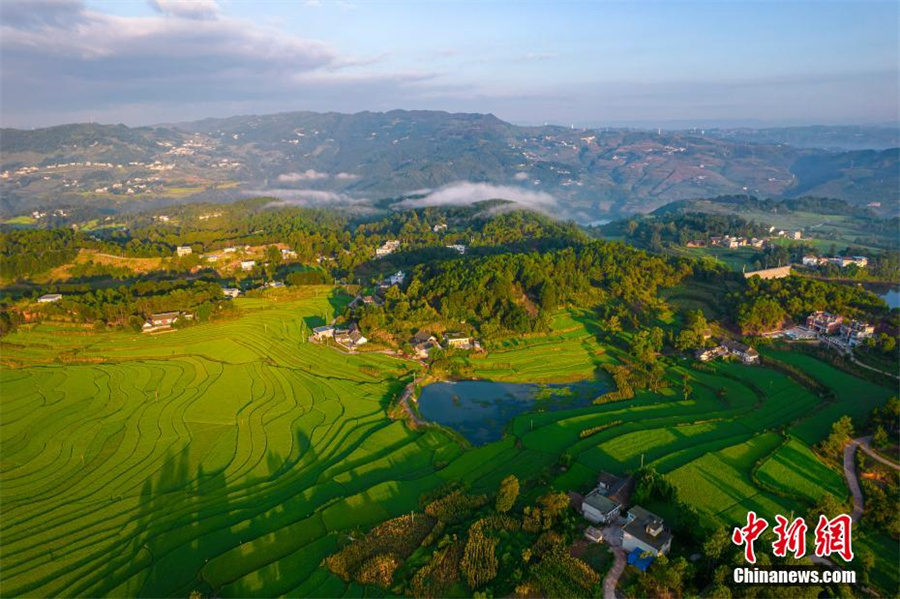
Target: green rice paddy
231,458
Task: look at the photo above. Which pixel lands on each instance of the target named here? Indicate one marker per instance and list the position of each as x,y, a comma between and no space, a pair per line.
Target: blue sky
587,63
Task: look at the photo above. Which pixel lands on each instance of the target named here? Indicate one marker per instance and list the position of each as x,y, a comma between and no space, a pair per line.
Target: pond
891,296
481,410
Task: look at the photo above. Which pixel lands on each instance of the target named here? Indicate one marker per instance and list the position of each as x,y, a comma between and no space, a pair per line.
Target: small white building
323,332
458,341
183,250
388,247
231,292
397,278
248,264
286,254
457,247
599,508
812,260
594,535
50,298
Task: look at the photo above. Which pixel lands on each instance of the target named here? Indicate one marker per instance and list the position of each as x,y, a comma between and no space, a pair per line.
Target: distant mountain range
348,158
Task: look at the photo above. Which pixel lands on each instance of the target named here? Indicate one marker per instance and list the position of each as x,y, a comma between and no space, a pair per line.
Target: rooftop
600,502
644,520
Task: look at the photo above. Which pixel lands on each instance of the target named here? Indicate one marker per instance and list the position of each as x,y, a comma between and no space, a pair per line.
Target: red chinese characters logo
747,535
789,537
831,536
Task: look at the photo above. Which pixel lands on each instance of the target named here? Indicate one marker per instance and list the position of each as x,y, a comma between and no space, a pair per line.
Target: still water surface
480,410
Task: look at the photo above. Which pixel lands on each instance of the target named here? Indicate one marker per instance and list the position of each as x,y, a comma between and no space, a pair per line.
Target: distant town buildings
287,254
248,265
183,250
231,292
50,298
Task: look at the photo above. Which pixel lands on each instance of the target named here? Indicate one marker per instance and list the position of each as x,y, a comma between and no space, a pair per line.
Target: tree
841,433
686,387
508,493
479,562
881,439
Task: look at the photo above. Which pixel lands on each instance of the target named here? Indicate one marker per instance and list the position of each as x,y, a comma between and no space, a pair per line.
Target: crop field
569,353
232,457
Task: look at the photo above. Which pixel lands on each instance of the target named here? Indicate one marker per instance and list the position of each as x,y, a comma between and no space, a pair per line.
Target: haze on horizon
588,64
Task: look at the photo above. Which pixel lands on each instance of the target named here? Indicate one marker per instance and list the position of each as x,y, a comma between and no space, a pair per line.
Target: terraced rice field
233,457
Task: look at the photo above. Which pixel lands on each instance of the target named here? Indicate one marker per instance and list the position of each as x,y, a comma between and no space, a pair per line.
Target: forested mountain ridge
348,158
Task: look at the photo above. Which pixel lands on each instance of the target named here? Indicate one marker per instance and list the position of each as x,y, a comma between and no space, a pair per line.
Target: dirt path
866,366
612,577
865,443
404,405
853,479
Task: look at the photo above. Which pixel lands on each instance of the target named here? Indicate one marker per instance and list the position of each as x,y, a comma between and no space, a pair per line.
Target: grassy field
233,457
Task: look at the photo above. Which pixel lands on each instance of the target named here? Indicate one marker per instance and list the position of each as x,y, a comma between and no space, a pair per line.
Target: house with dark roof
646,532
747,354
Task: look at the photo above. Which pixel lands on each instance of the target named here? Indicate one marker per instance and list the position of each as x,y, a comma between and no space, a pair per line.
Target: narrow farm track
232,458
853,479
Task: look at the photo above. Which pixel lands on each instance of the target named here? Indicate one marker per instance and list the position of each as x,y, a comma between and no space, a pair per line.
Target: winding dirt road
851,474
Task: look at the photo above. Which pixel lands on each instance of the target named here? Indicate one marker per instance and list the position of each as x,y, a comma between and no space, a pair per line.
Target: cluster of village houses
727,347
836,330
841,261
734,242
641,534
728,241
349,338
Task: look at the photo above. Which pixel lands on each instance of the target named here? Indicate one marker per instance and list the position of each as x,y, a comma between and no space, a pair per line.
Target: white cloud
465,192
189,9
346,176
307,175
520,176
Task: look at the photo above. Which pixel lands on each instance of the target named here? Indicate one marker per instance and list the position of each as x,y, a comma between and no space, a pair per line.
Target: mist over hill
360,159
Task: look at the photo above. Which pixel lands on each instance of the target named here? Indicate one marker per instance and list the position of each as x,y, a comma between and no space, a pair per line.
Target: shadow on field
198,531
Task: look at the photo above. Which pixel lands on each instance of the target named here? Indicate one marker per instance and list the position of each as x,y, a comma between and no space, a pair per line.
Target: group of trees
494,548
131,304
666,230
517,292
766,303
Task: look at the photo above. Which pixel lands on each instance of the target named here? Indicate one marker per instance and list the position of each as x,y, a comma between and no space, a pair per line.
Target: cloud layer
189,59
464,193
